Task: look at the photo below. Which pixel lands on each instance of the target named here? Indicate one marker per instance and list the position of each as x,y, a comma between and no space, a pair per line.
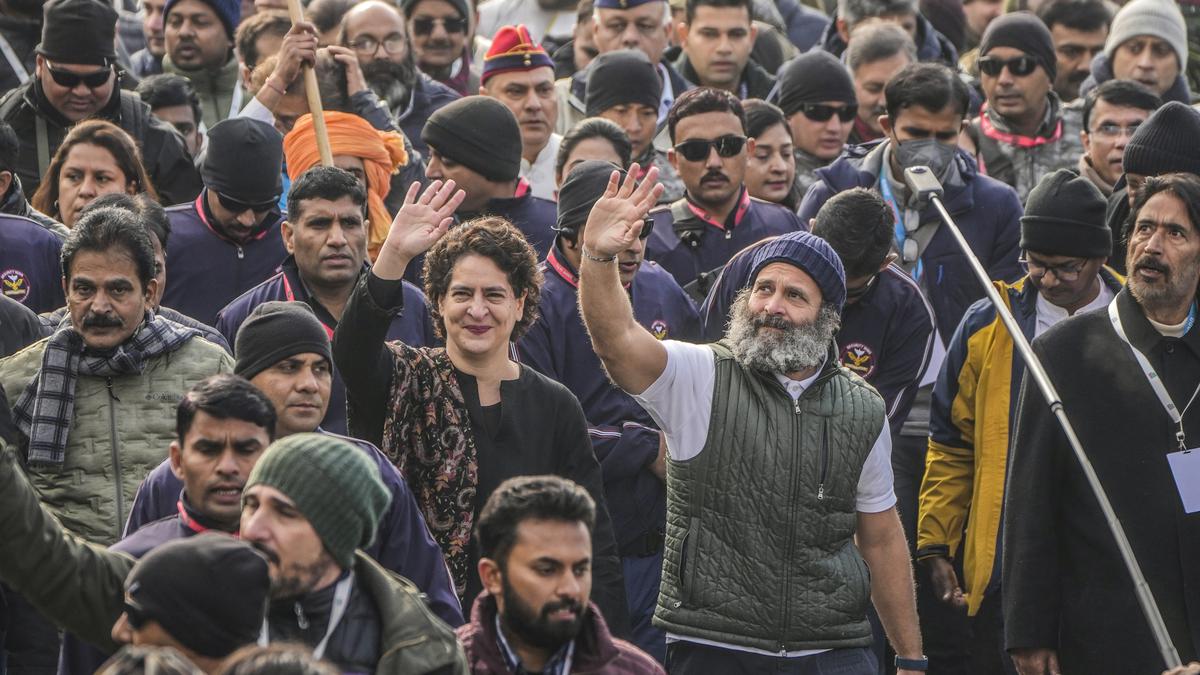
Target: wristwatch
921,664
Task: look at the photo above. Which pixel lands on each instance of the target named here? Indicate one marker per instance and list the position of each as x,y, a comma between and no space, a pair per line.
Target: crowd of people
614,339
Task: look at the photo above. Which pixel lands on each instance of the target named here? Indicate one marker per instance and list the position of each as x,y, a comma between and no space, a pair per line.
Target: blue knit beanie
811,254
228,11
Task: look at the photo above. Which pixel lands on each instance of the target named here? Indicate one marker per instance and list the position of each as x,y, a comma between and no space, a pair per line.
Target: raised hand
616,219
423,219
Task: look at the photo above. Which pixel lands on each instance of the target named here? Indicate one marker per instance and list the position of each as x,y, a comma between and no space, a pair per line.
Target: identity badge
1185,466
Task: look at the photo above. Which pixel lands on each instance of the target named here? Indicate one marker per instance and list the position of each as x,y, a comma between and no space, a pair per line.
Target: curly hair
498,240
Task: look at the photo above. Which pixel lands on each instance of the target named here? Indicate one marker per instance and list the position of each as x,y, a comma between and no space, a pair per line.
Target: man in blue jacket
284,351
628,444
30,269
326,239
695,236
228,240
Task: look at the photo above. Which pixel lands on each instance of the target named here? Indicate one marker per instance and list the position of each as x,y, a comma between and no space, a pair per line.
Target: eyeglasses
1110,130
392,44
65,78
699,149
1019,66
819,112
234,206
1066,272
424,26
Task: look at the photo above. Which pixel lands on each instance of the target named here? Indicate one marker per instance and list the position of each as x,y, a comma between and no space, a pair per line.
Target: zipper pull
108,383
821,492
729,234
301,620
796,405
241,253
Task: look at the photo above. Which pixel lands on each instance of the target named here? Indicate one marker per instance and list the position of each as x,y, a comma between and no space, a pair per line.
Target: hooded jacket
1102,72
987,212
597,652
162,150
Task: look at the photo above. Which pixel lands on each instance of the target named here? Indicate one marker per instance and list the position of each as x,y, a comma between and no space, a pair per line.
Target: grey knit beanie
1160,18
333,484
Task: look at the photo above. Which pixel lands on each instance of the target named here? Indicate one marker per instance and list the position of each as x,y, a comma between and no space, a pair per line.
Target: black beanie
480,133
1023,31
1064,215
273,332
244,160
78,31
584,185
1167,142
209,592
620,77
813,77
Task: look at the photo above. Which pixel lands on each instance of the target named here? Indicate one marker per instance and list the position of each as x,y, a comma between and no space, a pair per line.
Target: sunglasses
234,206
819,112
424,26
1019,66
647,228
65,78
135,614
698,150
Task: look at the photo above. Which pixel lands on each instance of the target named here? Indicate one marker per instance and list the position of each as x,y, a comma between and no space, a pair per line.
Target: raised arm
632,356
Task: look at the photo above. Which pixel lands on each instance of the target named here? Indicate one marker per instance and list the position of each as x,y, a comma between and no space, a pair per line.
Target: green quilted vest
760,525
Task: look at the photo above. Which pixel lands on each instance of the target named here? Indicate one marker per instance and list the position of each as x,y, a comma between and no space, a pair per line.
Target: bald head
375,30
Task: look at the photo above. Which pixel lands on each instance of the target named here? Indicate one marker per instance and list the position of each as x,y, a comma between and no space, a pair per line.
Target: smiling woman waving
459,421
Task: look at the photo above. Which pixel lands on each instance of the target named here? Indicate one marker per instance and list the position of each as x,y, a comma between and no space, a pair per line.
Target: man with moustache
530,620
1120,373
765,412
443,39
695,236
1112,114
199,41
1079,29
309,506
93,402
76,77
520,75
377,33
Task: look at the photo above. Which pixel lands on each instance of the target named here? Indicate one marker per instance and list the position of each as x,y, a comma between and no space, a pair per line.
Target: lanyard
1152,377
341,600
908,256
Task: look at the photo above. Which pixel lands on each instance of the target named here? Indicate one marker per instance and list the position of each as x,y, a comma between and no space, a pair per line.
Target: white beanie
1159,18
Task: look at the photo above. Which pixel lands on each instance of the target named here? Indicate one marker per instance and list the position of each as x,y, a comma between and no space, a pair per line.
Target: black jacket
756,81
1064,582
19,328
163,153
22,35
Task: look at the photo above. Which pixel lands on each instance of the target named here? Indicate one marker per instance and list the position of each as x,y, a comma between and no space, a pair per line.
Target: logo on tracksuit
859,358
14,284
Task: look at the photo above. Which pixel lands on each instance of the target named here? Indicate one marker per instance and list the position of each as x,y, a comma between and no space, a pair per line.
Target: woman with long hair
96,158
459,420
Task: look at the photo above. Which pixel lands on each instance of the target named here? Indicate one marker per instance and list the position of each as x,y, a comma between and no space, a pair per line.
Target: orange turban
382,154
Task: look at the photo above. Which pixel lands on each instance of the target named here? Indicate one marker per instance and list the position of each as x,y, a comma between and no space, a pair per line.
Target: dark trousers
945,631
688,658
642,578
988,656
31,642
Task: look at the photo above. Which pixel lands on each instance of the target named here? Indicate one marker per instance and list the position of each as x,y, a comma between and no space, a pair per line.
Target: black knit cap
274,331
78,32
244,160
1064,215
209,592
622,77
584,185
1167,142
480,133
1023,31
813,77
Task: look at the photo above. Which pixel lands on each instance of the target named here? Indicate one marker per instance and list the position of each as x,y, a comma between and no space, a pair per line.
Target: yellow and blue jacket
974,404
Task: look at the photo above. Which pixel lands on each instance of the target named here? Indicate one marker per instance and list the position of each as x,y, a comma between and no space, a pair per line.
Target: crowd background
409,380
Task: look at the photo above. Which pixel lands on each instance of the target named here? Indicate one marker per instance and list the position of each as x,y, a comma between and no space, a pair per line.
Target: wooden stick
314,95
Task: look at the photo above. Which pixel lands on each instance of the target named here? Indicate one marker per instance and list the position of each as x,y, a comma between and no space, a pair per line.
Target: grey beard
790,349
392,82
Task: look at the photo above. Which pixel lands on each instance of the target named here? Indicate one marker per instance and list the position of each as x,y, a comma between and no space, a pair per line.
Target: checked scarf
45,409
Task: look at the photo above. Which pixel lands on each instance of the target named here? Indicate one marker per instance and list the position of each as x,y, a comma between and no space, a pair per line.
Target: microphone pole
925,186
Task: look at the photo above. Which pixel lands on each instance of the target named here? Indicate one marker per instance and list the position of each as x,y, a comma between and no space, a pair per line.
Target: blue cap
813,255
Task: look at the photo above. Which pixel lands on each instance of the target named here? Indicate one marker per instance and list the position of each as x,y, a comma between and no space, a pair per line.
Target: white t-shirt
540,173
680,401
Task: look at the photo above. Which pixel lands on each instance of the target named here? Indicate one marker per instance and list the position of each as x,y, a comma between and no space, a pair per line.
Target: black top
541,430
